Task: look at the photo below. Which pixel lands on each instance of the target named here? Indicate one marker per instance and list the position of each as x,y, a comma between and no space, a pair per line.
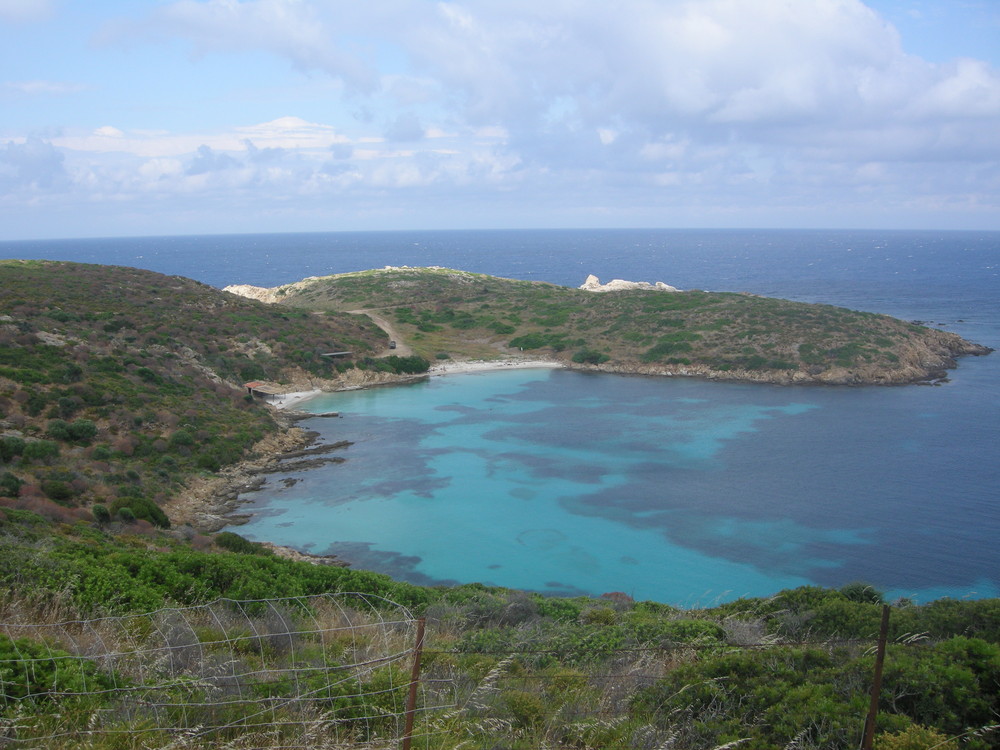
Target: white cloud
155,170
639,102
36,88
717,68
648,65
292,29
34,165
405,128
282,133
607,135
963,89
25,10
293,132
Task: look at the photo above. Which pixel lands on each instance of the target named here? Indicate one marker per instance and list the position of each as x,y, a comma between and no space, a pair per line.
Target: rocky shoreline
210,504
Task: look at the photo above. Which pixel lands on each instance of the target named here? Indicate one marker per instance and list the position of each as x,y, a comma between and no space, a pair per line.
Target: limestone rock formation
259,293
593,284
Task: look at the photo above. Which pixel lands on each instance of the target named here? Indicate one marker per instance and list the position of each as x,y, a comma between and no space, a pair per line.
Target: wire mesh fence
339,671
312,672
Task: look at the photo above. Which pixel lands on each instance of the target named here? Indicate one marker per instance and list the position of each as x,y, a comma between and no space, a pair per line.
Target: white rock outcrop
593,284
260,293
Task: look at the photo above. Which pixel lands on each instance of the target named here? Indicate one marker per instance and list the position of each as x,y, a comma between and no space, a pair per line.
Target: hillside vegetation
119,387
507,669
444,313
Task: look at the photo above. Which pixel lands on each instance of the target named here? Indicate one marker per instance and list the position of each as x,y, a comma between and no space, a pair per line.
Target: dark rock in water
317,450
309,463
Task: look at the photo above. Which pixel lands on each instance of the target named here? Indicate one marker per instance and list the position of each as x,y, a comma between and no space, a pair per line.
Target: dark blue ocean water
677,490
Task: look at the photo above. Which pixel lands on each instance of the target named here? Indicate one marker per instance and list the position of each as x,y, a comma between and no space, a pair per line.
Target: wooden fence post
411,699
883,634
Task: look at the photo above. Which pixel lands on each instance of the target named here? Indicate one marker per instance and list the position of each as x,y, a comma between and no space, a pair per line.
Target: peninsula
629,327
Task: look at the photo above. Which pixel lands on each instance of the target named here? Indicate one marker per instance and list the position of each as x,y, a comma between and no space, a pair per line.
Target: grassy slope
525,671
440,311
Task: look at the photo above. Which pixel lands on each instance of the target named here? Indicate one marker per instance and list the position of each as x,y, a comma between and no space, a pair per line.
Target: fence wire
307,672
323,672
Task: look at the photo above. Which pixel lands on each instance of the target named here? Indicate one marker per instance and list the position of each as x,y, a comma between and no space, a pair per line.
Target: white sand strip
485,365
291,400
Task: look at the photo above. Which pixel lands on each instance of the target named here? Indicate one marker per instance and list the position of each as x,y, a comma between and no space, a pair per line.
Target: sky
154,117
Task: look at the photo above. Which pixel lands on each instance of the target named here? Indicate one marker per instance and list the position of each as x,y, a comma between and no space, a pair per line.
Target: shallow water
674,490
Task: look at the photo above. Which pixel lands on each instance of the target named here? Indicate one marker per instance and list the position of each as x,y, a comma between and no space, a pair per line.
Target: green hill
445,313
117,385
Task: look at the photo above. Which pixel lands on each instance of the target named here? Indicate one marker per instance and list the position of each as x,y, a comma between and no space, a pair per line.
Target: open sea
682,491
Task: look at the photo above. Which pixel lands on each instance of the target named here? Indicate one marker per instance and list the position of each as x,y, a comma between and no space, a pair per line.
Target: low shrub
236,543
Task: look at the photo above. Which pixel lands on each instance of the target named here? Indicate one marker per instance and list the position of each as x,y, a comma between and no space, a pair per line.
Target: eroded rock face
259,293
593,284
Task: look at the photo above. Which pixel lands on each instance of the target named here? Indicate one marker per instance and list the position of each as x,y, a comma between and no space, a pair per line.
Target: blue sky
145,117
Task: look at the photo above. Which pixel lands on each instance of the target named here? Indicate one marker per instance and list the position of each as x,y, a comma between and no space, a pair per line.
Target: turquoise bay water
680,491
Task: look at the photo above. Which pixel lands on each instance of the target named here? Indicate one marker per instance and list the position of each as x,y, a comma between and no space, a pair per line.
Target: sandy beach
484,365
293,399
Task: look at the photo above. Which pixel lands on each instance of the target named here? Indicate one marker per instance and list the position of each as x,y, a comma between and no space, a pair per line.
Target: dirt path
401,350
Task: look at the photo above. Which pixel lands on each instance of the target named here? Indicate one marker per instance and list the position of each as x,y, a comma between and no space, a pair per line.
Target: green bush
40,450
33,672
771,698
673,343
140,507
915,737
82,430
58,490
527,709
590,357
78,431
537,341
964,674
10,447
235,543
182,439
58,429
861,592
408,365
397,365
10,485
